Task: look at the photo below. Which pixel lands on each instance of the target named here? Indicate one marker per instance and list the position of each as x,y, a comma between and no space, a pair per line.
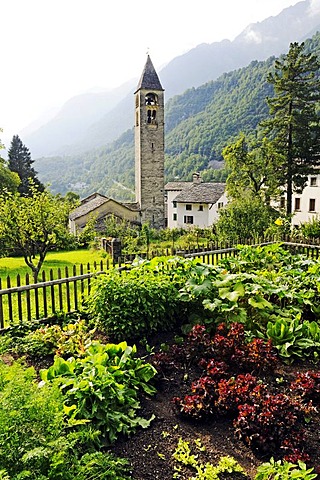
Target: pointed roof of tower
149,78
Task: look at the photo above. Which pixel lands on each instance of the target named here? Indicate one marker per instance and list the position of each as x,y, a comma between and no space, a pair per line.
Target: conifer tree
9,181
19,161
294,123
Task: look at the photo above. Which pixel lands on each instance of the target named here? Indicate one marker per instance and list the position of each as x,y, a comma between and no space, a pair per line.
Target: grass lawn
14,266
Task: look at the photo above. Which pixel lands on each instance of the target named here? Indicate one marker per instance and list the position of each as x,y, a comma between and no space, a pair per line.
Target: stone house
100,207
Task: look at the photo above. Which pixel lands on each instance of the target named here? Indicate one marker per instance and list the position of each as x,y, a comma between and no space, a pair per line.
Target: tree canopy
248,217
19,161
33,225
294,123
9,181
254,168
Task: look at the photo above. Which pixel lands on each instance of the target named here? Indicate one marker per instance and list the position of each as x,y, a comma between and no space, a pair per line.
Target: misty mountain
199,124
73,120
91,120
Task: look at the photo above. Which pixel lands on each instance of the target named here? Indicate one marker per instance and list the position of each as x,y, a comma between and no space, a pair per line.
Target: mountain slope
199,124
75,129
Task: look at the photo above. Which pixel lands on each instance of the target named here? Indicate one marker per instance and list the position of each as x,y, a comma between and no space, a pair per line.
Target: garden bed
150,451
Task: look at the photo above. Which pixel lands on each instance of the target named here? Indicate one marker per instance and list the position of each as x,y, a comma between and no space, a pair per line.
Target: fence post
60,291
19,299
44,296
1,308
68,290
9,300
53,303
28,298
75,290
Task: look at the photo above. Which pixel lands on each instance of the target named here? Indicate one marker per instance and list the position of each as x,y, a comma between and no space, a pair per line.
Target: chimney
196,178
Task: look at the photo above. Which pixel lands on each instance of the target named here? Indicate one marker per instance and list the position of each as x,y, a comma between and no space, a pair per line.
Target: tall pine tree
294,123
19,161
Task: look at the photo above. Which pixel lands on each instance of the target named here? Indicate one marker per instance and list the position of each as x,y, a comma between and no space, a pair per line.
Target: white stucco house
305,204
194,203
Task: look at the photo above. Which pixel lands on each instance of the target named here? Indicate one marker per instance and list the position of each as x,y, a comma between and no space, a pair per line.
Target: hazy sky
52,50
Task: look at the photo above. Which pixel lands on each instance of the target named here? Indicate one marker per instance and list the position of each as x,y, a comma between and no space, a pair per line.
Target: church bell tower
149,147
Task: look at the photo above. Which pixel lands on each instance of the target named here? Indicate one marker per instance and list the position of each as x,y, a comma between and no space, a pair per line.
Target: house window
297,204
174,217
312,205
220,205
200,208
174,204
188,207
282,202
188,219
313,181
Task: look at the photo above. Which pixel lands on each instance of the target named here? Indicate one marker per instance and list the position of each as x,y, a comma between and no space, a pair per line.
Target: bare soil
150,451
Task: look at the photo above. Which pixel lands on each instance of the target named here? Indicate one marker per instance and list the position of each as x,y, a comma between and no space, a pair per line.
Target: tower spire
149,78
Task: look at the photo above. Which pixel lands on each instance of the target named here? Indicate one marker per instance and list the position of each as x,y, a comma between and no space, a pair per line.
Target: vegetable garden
175,369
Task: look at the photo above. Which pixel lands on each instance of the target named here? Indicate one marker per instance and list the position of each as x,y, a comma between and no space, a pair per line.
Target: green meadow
13,266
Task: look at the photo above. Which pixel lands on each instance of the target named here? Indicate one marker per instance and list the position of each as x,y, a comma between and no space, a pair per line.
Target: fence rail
66,293
49,296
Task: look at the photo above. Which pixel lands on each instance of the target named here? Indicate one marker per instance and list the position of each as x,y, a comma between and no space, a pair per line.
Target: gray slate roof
149,78
201,193
88,205
176,186
94,201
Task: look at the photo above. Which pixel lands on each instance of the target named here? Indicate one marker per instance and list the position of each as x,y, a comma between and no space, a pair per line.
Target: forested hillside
199,124
94,120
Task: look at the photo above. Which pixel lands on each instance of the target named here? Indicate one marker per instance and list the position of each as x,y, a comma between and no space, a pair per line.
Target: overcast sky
52,50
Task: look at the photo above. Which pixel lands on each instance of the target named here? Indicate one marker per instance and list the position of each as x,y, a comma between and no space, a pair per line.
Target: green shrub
36,443
311,230
145,299
70,339
29,416
245,218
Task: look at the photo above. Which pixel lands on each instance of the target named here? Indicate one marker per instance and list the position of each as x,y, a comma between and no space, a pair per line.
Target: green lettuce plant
278,470
203,471
103,387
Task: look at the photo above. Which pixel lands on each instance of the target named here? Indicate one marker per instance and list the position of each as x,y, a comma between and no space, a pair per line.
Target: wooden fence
66,292
58,291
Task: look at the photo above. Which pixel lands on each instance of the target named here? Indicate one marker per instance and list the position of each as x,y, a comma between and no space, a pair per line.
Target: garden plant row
234,328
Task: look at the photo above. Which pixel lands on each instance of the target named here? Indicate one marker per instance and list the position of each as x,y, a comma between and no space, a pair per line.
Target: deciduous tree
244,218
33,225
253,169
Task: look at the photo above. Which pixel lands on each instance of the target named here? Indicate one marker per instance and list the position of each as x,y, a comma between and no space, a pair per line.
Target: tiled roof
149,78
177,185
201,193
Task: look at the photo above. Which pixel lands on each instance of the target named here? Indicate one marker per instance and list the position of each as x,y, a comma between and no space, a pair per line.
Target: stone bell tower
149,147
